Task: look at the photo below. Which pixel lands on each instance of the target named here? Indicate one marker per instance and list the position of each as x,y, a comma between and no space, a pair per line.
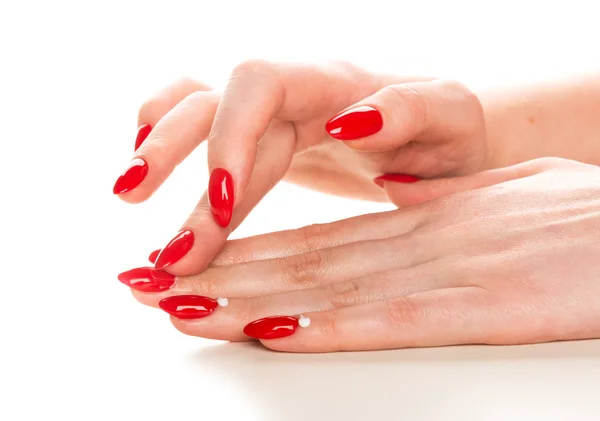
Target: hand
508,256
270,123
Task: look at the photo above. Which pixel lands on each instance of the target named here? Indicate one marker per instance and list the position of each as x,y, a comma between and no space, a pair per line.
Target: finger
173,138
229,324
257,93
184,255
375,226
403,191
311,270
152,256
161,103
397,114
440,317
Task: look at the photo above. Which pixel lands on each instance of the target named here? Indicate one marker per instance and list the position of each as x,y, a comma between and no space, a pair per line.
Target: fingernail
355,123
188,306
143,132
153,256
132,177
175,250
220,196
272,327
396,178
147,279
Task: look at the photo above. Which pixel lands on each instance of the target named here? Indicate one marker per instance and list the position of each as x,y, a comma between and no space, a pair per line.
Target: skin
268,125
506,256
458,263
432,128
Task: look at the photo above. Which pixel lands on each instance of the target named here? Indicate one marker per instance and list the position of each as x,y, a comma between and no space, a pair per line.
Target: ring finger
228,323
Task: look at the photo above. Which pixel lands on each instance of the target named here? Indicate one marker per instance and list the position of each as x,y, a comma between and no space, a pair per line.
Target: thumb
406,190
436,110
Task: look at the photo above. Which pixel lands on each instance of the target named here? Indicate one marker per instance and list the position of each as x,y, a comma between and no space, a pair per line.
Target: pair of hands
503,256
270,124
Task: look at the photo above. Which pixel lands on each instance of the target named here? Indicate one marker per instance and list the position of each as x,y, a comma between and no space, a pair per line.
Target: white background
76,346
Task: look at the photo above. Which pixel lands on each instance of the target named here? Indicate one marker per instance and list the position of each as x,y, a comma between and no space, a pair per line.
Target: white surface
76,346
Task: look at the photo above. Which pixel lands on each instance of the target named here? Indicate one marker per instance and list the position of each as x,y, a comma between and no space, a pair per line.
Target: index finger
259,92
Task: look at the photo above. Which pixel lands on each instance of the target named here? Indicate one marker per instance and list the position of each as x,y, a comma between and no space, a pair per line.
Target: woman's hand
508,256
271,122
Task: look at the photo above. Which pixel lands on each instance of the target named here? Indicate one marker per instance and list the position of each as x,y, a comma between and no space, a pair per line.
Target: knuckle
188,83
411,103
205,285
343,294
249,311
304,267
348,69
401,311
149,109
253,67
467,98
550,163
208,97
234,252
328,324
313,237
451,85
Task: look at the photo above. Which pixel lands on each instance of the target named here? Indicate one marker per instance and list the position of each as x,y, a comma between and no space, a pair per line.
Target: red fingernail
143,132
153,256
220,196
188,306
147,279
175,250
355,123
397,178
132,177
271,327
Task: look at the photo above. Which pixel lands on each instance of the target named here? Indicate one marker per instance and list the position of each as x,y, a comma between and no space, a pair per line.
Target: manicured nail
132,177
220,196
153,256
175,250
188,306
355,123
396,178
143,132
147,279
271,327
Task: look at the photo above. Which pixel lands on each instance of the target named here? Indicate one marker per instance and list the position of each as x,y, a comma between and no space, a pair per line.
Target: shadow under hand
385,384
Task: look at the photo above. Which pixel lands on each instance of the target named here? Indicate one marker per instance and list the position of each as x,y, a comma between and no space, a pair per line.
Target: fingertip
221,197
142,133
154,255
132,177
176,249
208,328
355,123
395,178
149,299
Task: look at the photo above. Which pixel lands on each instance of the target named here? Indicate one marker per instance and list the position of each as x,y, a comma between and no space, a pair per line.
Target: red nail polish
132,177
147,279
355,123
188,306
220,196
396,178
175,250
153,256
271,327
143,132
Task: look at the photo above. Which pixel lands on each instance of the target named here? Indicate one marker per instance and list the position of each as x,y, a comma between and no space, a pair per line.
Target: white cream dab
223,302
304,321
